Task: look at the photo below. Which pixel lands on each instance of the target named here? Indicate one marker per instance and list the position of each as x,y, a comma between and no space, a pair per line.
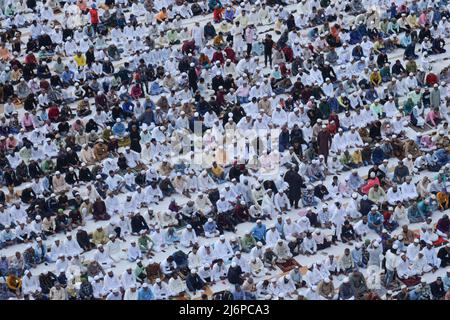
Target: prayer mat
288,265
410,282
426,127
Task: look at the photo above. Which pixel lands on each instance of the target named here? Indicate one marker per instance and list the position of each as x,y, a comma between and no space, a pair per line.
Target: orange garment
13,282
161,16
203,60
443,200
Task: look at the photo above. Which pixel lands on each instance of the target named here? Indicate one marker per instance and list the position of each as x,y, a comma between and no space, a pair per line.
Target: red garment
332,129
188,47
334,118
220,98
283,69
241,212
387,215
440,241
217,15
288,54
53,113
306,94
136,92
218,56
30,59
402,9
230,54
44,85
370,183
431,79
101,100
94,16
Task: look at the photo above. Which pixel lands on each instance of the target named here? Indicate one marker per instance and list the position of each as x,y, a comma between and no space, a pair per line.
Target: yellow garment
217,171
357,157
377,46
80,60
375,78
99,237
412,21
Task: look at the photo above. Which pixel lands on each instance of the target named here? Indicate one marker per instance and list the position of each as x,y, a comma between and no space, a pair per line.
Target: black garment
269,184
216,82
90,57
365,206
398,69
22,172
91,126
83,240
86,292
209,31
347,232
295,182
314,114
320,191
268,47
47,281
444,255
328,72
135,141
122,163
424,33
234,275
193,78
28,195
71,178
234,173
437,290
375,132
61,162
194,282
72,158
85,174
10,178
313,219
138,223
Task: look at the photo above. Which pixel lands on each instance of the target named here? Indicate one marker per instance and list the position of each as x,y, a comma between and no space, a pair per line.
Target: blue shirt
259,232
128,107
119,129
376,218
357,255
209,227
145,294
67,76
